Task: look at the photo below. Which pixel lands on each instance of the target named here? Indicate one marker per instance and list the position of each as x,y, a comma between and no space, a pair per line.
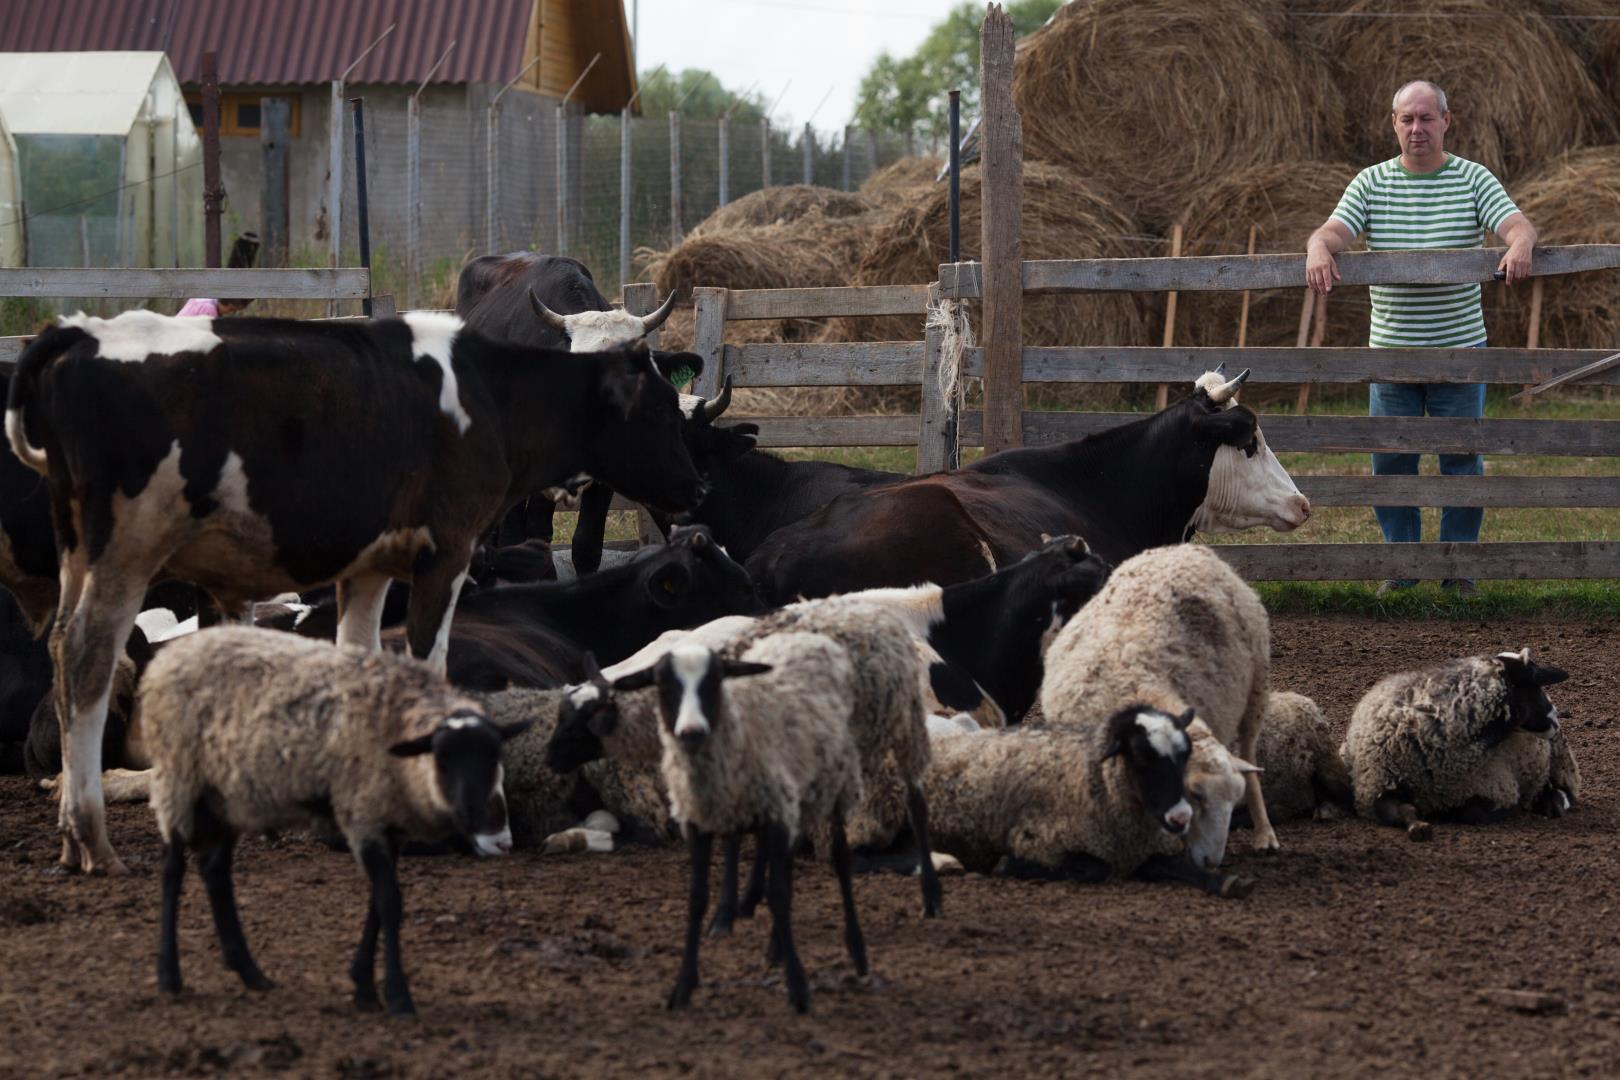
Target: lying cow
1199,465
262,456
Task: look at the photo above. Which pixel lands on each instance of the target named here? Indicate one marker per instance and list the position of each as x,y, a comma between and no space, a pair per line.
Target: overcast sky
820,45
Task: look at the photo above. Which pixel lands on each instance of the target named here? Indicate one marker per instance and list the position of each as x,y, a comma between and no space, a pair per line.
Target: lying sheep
760,743
1174,627
255,730
1085,802
1299,757
1469,740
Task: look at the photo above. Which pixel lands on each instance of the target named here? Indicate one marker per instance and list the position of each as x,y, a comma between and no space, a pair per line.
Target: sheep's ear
1547,674
1185,718
738,669
508,732
1119,731
636,680
1114,749
413,747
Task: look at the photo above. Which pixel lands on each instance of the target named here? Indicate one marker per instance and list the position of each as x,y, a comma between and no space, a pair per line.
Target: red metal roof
286,42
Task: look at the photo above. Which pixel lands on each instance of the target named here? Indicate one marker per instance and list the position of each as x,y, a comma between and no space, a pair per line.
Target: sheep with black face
255,730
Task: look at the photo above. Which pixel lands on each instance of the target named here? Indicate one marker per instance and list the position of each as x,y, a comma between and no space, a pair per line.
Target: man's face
1420,126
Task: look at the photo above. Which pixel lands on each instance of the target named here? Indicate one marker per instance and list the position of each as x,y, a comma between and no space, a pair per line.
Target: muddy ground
1489,952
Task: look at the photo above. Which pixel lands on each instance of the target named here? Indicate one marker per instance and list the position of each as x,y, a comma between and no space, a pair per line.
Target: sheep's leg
779,893
725,913
702,848
846,888
917,809
363,970
434,587
174,873
756,881
591,527
215,865
1553,801
1265,837
1181,868
378,860
1390,809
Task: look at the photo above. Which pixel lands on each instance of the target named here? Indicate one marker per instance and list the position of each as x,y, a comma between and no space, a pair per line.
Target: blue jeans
1404,524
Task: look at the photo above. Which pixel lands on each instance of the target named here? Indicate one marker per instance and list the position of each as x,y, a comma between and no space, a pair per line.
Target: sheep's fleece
264,725
1299,756
1420,731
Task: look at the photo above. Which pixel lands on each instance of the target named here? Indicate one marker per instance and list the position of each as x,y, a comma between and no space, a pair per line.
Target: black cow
262,456
1200,464
28,550
552,302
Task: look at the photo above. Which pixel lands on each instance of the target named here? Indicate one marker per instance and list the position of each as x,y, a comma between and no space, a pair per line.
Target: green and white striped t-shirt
1400,210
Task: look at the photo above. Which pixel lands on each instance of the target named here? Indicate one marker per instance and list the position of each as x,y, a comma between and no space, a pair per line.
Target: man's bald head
1420,86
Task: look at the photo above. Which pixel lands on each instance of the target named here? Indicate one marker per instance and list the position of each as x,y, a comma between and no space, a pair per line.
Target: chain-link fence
608,212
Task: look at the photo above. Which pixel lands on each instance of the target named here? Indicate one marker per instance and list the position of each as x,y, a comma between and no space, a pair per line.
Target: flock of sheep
1156,722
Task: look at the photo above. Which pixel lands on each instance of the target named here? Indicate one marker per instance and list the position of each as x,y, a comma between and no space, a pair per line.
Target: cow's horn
1220,368
546,315
713,409
651,322
593,673
1225,391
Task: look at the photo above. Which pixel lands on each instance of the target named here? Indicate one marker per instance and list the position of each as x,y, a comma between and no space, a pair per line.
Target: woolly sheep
759,743
1300,760
255,730
1088,802
1174,627
1468,740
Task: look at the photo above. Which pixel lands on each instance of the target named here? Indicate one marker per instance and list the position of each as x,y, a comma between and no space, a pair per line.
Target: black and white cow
1201,464
261,456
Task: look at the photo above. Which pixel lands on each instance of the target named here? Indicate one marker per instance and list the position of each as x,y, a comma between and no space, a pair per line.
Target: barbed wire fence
673,184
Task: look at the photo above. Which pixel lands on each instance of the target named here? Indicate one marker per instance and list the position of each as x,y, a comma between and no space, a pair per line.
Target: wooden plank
275,114
1362,434
1181,366
880,363
1461,490
821,303
640,298
1588,373
936,438
383,306
1001,194
1561,559
708,338
1235,272
1317,335
834,430
346,283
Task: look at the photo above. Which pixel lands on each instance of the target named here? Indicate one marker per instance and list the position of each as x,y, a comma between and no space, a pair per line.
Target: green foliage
909,93
21,315
705,97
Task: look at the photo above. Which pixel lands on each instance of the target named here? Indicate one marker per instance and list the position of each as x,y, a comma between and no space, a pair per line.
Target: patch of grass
1494,600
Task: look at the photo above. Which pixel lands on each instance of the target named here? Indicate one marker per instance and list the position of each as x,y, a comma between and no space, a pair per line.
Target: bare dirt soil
1491,951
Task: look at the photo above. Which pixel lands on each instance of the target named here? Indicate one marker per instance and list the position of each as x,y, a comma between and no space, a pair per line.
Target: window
239,114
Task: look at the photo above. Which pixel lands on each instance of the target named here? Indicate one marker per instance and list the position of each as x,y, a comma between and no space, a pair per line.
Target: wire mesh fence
625,186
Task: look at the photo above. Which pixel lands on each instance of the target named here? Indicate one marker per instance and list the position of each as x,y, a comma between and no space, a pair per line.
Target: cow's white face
599,331
1248,490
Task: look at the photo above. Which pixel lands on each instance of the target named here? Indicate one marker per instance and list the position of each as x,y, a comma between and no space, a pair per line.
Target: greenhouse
11,210
109,161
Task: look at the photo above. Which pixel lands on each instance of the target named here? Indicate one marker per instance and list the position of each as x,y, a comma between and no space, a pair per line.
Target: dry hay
902,183
1574,200
1064,218
1518,92
780,206
1158,98
1592,28
1286,202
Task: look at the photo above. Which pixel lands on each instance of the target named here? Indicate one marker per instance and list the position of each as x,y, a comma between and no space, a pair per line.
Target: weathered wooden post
275,114
1001,238
765,152
708,338
847,131
725,157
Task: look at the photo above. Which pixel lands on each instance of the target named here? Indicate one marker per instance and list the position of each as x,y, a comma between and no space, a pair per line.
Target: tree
662,89
905,94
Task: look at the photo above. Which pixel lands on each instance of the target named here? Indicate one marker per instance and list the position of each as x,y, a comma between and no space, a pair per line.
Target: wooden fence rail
177,284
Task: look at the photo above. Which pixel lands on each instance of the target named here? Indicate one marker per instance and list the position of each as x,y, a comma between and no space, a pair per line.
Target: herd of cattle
1021,663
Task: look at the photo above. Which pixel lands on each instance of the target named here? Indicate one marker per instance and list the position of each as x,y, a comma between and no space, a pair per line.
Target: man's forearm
1518,230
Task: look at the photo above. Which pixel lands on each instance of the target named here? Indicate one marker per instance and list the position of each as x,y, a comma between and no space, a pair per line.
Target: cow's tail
50,344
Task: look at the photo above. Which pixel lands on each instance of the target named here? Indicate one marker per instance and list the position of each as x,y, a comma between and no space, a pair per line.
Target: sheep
1299,758
759,743
1173,627
1468,740
253,730
1083,802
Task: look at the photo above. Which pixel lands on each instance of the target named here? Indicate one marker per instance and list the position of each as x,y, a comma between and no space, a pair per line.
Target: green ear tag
682,376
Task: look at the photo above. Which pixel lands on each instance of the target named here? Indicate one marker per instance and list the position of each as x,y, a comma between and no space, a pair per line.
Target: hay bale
1159,98
1591,29
901,183
1286,202
1519,93
1574,200
1065,217
781,206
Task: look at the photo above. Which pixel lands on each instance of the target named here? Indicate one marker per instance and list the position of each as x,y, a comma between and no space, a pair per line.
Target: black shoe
1462,586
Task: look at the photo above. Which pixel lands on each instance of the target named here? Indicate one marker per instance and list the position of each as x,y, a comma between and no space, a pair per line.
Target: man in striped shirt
1425,198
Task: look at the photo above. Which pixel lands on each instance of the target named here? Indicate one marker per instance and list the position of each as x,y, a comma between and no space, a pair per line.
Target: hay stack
1156,99
901,183
1286,202
781,206
1575,200
1519,93
1064,218
1592,31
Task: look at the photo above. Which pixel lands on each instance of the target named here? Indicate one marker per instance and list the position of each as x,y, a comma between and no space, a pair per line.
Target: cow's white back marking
432,335
134,335
690,664
232,489
1163,735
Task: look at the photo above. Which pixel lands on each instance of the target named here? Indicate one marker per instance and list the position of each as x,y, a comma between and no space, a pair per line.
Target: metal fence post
213,193
363,221
808,145
765,153
675,230
725,159
334,160
847,130
624,196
